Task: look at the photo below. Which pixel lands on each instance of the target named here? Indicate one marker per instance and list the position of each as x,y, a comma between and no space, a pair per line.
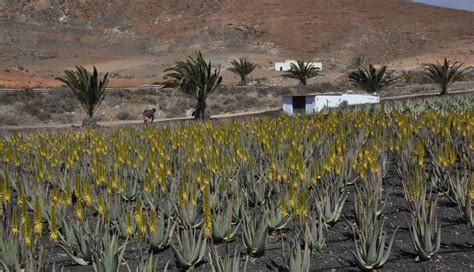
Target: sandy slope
137,41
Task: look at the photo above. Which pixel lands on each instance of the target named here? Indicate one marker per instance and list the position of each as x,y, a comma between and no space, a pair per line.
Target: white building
286,66
312,103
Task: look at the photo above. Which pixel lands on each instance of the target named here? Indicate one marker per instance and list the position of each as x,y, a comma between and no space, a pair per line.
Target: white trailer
312,103
286,66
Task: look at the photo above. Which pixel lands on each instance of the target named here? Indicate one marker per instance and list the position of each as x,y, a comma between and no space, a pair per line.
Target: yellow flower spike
38,221
283,209
152,221
194,195
53,229
207,214
79,212
100,205
88,194
21,195
121,185
27,234
129,222
14,228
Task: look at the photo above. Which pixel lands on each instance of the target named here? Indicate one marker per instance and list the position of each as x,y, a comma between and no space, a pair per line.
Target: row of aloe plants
192,187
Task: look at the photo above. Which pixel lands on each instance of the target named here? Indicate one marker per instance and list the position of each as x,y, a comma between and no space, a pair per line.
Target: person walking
149,115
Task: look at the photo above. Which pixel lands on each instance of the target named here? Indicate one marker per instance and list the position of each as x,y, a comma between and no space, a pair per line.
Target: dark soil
456,253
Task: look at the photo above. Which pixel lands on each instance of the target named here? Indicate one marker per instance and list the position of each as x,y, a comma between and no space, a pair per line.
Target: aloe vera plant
126,225
331,201
424,229
299,260
372,252
296,259
12,252
313,235
276,219
469,212
459,187
130,190
159,238
79,242
222,228
188,214
228,263
367,200
189,247
254,191
148,264
108,256
255,235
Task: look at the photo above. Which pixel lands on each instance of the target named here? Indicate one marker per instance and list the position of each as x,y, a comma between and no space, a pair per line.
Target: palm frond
195,77
302,71
242,67
86,87
372,80
444,75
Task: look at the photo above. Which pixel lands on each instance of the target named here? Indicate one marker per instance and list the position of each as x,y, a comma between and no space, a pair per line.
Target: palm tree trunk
243,81
444,90
200,113
303,82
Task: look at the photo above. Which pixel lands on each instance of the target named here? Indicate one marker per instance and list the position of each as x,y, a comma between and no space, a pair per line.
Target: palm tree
242,67
444,75
302,71
194,76
87,88
358,62
372,80
408,75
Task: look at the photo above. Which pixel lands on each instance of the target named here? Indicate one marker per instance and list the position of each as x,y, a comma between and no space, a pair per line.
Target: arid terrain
135,41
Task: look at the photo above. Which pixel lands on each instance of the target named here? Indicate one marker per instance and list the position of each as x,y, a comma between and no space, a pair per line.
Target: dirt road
219,116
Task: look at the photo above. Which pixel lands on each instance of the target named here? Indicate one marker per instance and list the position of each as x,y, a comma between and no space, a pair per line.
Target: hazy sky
459,4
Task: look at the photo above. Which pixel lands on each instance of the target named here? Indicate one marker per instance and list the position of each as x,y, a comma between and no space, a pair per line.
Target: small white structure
286,66
312,103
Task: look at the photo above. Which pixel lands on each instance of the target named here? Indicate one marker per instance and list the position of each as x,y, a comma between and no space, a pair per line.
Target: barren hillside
136,40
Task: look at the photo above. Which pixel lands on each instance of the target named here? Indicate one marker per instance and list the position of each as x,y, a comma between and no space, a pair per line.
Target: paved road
219,116
427,94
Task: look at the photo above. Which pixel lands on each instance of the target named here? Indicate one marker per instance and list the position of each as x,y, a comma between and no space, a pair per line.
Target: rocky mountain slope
136,40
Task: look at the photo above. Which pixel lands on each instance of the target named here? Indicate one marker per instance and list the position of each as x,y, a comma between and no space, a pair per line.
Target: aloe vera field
363,187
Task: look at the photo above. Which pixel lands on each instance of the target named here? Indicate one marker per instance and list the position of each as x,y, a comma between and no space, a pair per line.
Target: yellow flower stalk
14,228
55,197
207,214
152,221
88,194
147,183
79,212
21,195
100,205
283,209
27,234
139,219
68,195
53,228
194,195
38,221
121,185
109,187
129,223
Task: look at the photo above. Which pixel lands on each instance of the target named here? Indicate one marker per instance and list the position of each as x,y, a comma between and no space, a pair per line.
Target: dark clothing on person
149,114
